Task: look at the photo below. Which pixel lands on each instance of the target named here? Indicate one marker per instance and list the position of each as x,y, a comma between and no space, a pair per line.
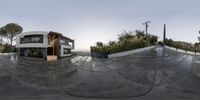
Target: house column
73,45
44,53
18,51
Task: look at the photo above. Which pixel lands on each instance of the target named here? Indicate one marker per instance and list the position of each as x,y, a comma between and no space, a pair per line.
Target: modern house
43,44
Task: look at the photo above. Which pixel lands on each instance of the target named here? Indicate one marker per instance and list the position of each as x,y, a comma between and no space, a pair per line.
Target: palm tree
11,30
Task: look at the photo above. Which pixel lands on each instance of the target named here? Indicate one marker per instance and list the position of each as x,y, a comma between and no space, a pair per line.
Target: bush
127,41
183,45
119,47
7,48
1,49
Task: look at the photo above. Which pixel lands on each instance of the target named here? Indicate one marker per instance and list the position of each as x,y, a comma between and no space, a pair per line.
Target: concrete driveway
159,73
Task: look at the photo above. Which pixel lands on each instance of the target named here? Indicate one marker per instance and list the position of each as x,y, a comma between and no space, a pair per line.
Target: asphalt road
155,74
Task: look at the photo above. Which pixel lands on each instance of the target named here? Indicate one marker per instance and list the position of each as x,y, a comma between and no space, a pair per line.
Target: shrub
119,47
183,45
7,48
127,41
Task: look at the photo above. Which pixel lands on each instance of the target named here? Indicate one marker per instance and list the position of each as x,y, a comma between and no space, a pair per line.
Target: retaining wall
125,53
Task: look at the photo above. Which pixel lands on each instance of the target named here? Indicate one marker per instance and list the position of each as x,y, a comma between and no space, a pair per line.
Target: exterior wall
26,45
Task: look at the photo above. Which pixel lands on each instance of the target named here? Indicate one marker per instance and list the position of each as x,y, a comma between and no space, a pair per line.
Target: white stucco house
41,44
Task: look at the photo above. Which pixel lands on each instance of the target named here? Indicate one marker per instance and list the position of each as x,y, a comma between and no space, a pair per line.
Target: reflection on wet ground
157,72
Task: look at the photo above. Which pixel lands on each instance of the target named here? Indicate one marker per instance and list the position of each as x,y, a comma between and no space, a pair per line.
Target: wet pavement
158,73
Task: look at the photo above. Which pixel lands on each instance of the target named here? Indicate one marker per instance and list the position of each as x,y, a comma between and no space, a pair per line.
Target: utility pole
146,30
164,34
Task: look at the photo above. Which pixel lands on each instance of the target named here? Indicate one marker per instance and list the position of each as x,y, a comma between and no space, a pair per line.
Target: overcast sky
88,21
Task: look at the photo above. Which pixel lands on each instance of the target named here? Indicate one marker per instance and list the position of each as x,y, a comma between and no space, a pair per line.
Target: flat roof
44,32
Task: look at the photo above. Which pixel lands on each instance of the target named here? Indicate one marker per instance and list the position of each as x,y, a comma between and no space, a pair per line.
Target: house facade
42,44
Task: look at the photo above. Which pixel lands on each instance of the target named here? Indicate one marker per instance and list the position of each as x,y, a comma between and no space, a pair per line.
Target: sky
89,21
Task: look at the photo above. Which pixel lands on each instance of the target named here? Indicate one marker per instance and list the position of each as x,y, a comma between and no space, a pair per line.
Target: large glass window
64,41
66,51
32,39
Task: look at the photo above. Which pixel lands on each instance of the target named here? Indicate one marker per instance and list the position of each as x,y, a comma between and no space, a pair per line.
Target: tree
1,37
125,35
2,34
153,39
169,42
99,44
139,33
111,43
11,30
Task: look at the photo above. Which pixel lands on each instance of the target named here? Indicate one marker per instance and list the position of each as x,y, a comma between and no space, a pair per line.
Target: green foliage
10,30
123,46
6,48
160,43
169,42
99,44
111,43
2,32
125,35
1,49
127,41
139,33
153,39
183,45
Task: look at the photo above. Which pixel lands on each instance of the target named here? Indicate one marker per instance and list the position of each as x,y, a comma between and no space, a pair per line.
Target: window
32,39
66,51
35,39
64,41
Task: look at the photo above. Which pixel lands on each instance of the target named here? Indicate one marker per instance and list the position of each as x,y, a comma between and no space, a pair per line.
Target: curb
182,51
